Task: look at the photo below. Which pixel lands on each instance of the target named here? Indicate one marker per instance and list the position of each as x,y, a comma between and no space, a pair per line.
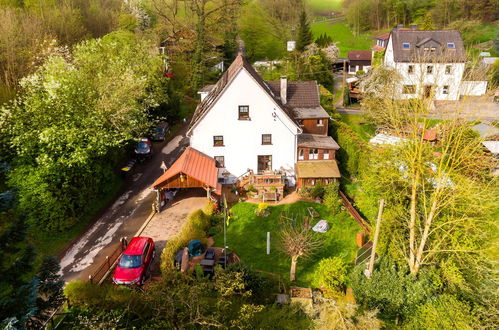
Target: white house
245,123
431,63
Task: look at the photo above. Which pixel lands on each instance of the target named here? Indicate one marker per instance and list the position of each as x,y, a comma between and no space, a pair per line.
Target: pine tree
305,36
50,286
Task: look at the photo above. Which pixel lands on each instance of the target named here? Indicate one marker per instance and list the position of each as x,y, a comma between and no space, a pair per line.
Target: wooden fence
364,224
99,275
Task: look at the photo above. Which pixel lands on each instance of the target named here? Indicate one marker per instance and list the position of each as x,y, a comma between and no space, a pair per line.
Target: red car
135,261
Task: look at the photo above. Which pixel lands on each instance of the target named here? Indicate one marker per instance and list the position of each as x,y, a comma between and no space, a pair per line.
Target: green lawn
246,236
341,33
359,125
321,6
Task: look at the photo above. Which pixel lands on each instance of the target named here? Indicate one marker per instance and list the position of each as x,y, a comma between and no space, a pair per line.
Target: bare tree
298,242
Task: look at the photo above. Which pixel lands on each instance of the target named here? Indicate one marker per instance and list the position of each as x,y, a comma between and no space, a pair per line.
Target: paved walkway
123,218
470,108
168,223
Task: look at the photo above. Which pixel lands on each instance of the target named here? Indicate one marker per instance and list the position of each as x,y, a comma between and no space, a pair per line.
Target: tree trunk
292,273
412,224
424,237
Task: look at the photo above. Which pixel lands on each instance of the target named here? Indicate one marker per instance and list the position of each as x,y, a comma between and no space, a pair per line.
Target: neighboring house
359,60
263,128
381,41
431,63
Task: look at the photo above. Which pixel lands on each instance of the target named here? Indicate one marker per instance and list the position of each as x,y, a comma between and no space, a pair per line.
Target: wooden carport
193,169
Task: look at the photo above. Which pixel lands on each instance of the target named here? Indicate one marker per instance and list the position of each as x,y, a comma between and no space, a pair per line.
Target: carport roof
317,169
196,164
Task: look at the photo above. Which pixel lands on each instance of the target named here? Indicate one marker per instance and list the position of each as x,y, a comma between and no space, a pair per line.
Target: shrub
318,190
331,197
263,206
331,274
195,228
304,192
251,188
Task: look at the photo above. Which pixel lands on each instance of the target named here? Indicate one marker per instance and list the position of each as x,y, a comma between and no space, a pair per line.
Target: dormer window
433,49
406,45
451,45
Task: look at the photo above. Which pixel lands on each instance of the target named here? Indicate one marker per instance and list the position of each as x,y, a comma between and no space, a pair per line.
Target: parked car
160,132
134,263
143,148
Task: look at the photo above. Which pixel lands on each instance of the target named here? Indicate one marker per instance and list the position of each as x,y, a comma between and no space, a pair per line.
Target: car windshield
130,261
159,130
142,146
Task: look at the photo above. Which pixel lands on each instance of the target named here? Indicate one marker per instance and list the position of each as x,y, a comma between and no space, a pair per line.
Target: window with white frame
451,45
326,154
320,122
313,153
429,69
244,112
406,45
410,69
448,69
445,90
220,161
218,141
409,89
301,154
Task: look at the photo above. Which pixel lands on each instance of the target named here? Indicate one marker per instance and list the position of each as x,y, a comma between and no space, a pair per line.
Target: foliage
331,197
337,314
427,22
354,152
305,36
393,290
317,191
338,241
195,228
174,301
50,285
323,40
254,27
443,312
332,275
64,161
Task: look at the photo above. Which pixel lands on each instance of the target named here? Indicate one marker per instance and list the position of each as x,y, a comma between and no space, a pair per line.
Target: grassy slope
341,33
247,232
359,125
318,6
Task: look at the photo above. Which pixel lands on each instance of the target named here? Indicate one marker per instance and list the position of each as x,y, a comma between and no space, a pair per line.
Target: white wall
475,88
243,138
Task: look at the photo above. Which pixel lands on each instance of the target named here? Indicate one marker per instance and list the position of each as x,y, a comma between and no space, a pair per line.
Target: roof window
451,45
406,45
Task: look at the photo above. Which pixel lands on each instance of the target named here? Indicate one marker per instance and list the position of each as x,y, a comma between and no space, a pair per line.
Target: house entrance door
428,91
264,163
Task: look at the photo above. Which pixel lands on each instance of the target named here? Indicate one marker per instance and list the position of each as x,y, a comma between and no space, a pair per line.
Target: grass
321,6
359,125
341,33
247,232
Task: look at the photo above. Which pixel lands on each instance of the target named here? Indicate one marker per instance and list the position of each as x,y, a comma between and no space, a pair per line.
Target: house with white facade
264,133
431,63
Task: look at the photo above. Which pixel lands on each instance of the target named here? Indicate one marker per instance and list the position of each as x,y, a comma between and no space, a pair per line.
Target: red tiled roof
383,36
359,55
377,48
195,164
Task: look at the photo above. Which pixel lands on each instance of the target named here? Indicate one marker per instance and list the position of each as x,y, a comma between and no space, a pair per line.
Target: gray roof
300,94
419,40
310,113
486,131
317,141
206,89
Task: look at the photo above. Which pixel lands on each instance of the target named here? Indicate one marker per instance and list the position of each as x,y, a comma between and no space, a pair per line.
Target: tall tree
305,36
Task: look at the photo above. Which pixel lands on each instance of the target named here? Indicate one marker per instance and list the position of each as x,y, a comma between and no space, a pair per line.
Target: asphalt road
124,217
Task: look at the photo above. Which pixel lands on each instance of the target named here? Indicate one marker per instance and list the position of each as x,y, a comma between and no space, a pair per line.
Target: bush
331,274
392,289
194,228
331,198
304,192
262,287
317,191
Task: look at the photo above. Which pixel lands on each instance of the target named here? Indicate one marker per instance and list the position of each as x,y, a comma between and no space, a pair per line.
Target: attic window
451,45
406,45
433,49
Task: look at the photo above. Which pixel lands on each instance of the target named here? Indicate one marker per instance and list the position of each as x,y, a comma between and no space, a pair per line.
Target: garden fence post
268,242
375,241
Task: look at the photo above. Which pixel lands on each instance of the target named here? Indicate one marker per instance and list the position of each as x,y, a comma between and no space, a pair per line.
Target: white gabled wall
243,138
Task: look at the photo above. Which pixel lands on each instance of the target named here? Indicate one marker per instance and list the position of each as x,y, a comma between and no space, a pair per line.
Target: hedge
195,228
353,154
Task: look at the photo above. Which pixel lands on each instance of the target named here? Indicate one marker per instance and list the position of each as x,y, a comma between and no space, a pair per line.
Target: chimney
284,89
414,27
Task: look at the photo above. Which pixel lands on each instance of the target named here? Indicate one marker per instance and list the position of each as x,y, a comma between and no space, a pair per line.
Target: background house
359,60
